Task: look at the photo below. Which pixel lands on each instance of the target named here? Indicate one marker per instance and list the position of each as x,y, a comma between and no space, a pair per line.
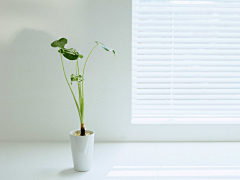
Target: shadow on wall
26,73
25,57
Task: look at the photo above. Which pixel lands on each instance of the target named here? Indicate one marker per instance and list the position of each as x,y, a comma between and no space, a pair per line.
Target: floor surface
122,161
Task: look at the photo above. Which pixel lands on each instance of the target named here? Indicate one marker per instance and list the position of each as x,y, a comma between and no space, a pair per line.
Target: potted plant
82,140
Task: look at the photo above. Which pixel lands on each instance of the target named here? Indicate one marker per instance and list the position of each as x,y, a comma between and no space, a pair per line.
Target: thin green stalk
77,67
80,102
82,105
82,93
70,87
79,92
87,59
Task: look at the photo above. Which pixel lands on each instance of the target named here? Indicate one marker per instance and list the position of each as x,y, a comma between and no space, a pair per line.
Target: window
185,61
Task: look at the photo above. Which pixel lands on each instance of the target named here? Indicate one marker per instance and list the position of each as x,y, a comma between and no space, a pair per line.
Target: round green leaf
71,54
59,43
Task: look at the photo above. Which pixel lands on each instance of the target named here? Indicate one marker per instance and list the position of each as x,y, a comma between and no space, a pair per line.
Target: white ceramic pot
82,150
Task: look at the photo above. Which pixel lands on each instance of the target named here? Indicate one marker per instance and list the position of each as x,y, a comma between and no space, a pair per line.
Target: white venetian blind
185,61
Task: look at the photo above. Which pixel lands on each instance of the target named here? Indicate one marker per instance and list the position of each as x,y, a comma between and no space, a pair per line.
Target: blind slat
189,85
185,68
183,112
184,40
186,63
189,10
186,102
186,107
186,91
186,46
185,80
187,57
136,27
186,34
185,74
182,97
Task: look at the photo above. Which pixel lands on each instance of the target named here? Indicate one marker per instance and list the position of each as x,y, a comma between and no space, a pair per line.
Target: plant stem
76,66
80,100
82,127
82,104
87,59
81,96
82,130
70,87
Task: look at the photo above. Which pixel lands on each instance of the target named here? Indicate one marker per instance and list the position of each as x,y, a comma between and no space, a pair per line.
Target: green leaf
74,77
71,54
59,43
105,47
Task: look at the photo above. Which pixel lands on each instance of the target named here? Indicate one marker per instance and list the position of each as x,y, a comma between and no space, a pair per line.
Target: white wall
36,104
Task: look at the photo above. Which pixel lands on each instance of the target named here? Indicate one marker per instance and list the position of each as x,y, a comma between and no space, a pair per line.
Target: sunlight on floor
175,172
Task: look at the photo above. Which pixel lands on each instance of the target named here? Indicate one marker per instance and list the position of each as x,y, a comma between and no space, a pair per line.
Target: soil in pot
78,133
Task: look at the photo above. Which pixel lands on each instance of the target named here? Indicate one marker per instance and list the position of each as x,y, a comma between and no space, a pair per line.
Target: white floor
122,161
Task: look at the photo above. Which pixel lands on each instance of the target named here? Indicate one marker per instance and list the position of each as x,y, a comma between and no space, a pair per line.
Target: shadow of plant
71,173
